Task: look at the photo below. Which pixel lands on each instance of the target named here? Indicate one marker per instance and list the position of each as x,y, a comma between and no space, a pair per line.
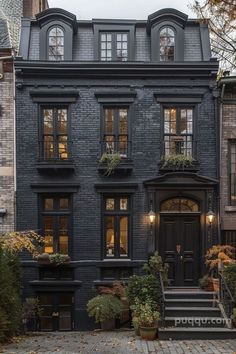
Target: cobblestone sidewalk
112,343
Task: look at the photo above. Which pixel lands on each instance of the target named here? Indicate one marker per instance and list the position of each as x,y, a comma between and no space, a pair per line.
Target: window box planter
178,163
113,164
55,259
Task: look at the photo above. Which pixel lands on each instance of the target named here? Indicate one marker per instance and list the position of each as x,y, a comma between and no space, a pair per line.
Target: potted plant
216,257
53,259
177,161
234,317
205,283
111,160
148,321
155,266
105,309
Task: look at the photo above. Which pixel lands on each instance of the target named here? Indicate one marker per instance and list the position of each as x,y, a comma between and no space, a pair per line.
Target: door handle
178,248
55,314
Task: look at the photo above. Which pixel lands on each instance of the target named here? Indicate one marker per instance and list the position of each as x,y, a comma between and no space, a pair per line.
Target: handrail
226,298
162,307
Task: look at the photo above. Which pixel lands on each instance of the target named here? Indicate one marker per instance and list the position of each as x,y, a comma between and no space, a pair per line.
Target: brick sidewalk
112,343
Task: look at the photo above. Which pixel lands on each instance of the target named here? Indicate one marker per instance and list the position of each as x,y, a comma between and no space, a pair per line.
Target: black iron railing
226,298
55,150
162,304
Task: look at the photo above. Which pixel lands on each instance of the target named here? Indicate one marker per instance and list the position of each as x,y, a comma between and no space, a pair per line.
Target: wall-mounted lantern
210,216
152,216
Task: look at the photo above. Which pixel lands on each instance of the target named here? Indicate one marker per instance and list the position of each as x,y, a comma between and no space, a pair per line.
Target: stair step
189,302
200,322
196,333
192,311
183,294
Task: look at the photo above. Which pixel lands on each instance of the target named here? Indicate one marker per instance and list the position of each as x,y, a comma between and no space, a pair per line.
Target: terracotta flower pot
148,333
216,284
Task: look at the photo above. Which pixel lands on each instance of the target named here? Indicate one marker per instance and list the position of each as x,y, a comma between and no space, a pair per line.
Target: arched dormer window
56,44
167,44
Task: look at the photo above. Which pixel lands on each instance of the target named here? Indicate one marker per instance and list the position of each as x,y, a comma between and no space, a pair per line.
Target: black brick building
144,90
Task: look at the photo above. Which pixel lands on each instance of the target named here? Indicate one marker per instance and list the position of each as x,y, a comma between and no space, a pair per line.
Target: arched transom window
167,44
56,44
180,205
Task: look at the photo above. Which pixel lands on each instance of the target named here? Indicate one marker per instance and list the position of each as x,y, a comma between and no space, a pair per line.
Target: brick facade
145,92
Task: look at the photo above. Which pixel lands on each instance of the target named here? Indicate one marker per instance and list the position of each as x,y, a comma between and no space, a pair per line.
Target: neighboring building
228,160
11,12
143,89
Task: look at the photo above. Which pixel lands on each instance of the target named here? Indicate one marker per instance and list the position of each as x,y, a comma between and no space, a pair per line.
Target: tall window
116,221
178,131
115,137
56,44
55,218
167,44
55,133
114,46
232,173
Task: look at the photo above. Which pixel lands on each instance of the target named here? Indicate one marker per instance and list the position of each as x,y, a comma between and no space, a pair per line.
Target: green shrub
104,307
144,288
10,302
230,277
155,266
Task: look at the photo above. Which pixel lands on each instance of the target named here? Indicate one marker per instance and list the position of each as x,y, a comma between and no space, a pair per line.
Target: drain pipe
220,153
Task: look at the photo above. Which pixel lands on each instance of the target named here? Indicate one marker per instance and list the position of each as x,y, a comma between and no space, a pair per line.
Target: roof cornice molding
166,15
57,14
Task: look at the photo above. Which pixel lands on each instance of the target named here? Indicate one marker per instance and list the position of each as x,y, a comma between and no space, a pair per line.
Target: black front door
179,246
56,311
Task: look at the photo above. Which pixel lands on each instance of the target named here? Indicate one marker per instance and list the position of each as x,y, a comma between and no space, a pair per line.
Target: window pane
56,44
63,234
109,121
110,144
123,113
48,203
48,234
124,236
62,147
123,204
110,235
64,203
233,173
167,44
62,121
110,204
48,121
48,147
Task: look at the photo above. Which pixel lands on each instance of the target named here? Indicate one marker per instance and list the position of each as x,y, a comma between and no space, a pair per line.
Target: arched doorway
179,239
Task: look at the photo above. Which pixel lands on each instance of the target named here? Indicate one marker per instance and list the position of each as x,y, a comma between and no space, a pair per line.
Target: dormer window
167,44
56,44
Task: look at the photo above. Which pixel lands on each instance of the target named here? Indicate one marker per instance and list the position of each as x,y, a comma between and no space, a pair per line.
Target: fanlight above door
180,205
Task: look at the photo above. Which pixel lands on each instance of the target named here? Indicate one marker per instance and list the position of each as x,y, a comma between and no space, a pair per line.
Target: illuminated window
116,220
179,205
55,218
178,131
115,137
55,133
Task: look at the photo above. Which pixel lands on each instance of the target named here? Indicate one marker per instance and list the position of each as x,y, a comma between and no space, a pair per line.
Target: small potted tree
105,309
216,258
205,283
148,321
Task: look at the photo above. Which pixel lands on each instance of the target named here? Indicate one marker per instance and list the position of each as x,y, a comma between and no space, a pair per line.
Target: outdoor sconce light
210,216
152,216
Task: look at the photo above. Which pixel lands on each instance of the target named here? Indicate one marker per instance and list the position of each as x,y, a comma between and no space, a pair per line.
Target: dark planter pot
108,325
31,325
148,333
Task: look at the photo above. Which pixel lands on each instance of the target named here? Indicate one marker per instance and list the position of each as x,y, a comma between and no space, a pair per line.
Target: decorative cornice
57,14
166,15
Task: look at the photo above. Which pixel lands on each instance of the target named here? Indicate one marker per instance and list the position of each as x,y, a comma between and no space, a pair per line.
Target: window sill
55,165
230,208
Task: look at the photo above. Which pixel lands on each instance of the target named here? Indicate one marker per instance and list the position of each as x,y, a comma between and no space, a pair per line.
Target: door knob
178,248
55,314
181,258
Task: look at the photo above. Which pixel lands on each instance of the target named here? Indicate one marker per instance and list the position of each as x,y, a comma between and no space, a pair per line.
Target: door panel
57,311
179,247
